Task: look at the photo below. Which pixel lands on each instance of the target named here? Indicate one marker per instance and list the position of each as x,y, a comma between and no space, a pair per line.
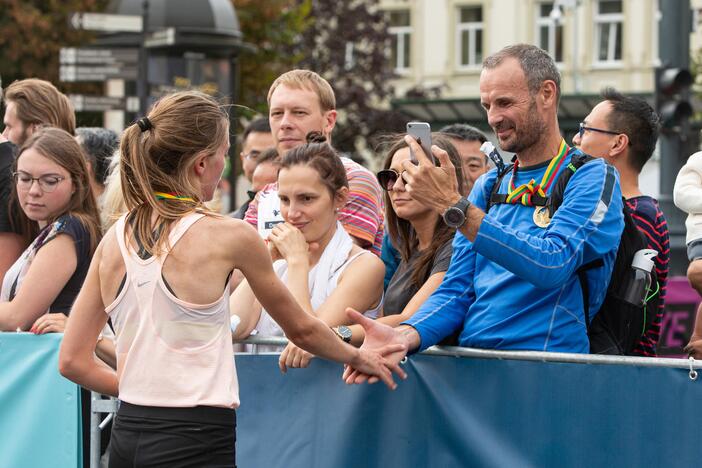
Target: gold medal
541,217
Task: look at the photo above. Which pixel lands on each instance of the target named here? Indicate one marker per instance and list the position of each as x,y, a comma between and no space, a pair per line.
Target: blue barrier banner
40,422
464,412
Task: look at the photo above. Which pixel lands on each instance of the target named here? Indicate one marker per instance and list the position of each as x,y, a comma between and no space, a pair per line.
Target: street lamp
556,16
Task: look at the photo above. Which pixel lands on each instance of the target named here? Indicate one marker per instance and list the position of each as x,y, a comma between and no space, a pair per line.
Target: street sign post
86,64
88,56
82,102
72,73
160,38
106,22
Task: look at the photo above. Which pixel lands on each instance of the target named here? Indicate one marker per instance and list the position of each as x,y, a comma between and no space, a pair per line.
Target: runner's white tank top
170,352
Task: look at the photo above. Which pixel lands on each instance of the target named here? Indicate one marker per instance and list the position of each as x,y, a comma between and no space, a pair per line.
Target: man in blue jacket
512,283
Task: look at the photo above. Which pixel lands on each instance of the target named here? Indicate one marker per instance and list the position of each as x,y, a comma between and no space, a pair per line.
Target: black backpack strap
577,160
555,200
496,198
585,288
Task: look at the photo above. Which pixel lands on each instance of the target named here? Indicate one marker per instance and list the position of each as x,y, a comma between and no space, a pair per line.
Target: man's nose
286,120
494,117
576,139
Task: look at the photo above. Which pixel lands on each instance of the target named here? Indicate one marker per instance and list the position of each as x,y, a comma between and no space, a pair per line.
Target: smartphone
421,131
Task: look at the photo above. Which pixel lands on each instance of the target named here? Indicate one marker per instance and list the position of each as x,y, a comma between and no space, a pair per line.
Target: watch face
454,217
344,332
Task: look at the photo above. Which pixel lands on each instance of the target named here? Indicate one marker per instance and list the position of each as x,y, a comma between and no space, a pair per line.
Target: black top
81,240
7,159
401,287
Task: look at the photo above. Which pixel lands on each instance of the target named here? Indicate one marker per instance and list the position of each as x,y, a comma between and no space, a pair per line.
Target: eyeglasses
251,194
252,155
47,183
582,129
387,178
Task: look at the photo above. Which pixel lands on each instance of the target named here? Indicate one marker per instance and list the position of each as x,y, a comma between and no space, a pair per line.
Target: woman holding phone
417,232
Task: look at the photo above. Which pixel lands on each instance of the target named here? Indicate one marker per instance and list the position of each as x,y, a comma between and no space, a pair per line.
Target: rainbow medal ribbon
525,192
171,196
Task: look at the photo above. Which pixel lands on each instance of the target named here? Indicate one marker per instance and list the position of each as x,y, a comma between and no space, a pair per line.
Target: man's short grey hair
537,65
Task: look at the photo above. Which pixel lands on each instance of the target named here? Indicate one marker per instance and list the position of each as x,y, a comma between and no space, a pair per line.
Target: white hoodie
687,195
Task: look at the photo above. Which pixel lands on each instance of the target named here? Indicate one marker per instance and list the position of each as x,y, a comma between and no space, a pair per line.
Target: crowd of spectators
438,249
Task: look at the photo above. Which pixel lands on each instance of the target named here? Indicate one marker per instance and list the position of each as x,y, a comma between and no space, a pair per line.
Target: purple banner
681,304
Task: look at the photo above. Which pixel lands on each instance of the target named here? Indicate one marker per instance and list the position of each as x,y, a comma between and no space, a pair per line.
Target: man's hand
694,347
432,186
378,337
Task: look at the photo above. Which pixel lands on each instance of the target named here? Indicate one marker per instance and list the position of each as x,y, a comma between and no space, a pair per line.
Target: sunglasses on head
387,178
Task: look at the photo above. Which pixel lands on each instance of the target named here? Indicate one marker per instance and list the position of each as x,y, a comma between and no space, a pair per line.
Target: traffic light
673,97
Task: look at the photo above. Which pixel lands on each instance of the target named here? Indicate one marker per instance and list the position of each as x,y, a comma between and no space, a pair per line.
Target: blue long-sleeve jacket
516,286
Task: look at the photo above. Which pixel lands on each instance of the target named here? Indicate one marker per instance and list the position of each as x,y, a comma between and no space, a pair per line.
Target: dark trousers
148,436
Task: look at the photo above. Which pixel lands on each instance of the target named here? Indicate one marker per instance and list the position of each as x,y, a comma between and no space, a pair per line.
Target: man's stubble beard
529,134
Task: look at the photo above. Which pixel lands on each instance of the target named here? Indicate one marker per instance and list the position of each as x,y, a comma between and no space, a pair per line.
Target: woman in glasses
417,232
60,219
315,256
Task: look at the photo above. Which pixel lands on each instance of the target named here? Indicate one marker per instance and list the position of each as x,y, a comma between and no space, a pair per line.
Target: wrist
356,360
409,337
449,202
298,261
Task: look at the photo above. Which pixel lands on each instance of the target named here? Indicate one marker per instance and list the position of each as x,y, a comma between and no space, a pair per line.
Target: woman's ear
200,163
341,197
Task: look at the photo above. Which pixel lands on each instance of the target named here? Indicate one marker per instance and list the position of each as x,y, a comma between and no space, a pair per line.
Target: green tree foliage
33,31
345,41
348,44
270,28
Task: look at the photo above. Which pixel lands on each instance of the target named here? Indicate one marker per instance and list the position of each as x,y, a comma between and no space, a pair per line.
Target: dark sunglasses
251,194
387,178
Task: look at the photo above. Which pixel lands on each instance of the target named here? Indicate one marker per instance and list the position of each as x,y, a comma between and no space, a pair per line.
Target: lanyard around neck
524,193
171,196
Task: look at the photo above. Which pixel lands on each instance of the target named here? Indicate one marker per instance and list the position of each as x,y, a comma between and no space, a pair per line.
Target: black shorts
694,250
148,436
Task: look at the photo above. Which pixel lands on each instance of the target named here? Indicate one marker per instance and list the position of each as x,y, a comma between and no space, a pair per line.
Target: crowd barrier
40,422
458,407
464,407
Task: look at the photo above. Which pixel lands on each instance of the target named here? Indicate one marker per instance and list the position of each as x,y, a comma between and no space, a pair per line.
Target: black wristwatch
343,332
455,215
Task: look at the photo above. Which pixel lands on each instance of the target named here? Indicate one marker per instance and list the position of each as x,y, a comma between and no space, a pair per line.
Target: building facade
597,43
438,47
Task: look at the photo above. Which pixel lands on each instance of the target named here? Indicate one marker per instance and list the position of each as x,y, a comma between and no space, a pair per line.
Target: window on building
549,34
609,18
401,34
469,36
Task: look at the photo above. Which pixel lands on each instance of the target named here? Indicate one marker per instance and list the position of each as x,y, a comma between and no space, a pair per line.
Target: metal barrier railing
109,406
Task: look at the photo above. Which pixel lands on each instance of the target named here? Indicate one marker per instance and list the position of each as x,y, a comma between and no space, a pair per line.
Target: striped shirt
651,222
362,216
